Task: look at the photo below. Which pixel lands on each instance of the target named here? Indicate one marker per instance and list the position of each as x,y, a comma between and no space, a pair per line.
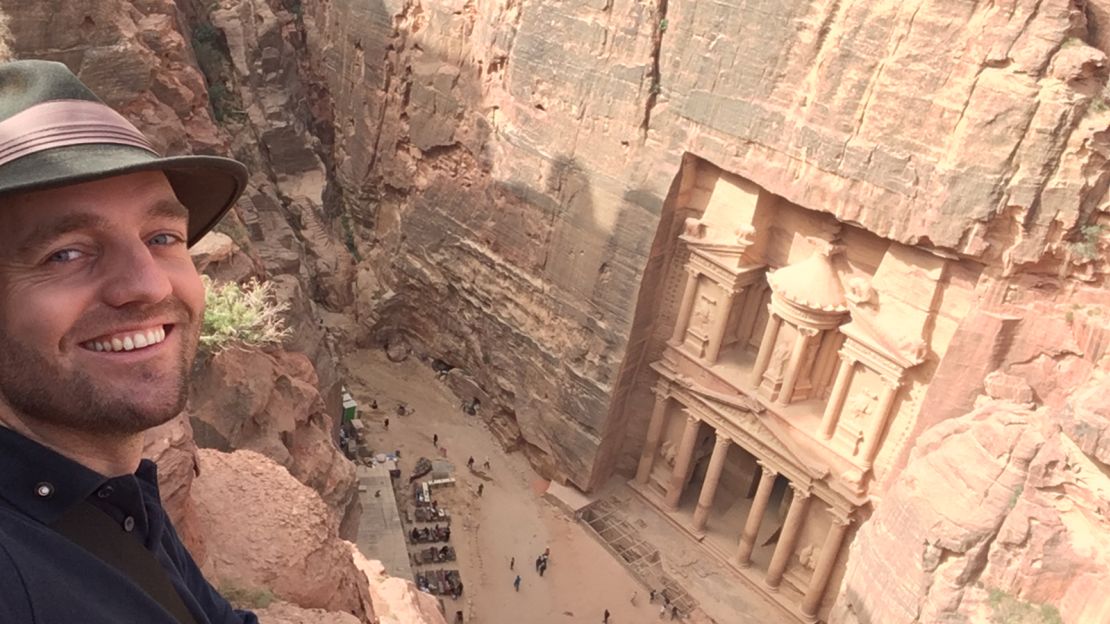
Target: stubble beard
40,391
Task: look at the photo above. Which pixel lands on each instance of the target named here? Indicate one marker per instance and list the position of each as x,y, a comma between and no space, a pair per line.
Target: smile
127,341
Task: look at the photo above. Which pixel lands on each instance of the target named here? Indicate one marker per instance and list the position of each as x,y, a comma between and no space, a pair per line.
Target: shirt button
128,524
44,489
104,492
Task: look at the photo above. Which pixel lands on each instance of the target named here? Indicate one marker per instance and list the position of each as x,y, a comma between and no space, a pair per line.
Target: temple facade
790,354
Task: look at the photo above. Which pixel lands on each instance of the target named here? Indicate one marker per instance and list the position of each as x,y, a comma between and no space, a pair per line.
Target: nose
132,274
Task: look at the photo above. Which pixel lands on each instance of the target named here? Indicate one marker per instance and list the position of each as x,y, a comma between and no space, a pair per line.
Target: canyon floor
510,519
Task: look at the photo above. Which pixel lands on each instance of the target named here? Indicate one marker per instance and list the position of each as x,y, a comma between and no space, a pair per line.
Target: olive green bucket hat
54,132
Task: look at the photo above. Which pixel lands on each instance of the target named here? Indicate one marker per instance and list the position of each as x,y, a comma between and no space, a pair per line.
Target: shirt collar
39,481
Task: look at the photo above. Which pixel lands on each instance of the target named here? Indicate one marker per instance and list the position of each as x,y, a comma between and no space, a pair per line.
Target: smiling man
100,314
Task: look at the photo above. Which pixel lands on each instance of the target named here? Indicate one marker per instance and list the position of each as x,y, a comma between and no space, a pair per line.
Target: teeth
128,342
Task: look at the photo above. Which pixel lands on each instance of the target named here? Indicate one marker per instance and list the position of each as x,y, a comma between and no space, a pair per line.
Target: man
100,314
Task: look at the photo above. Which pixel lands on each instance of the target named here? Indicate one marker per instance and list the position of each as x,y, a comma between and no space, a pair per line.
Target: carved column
823,570
878,422
844,376
682,462
686,308
712,479
766,347
654,434
794,365
720,325
795,518
755,517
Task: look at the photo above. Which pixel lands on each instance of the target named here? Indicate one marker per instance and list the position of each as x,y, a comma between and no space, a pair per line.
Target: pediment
747,422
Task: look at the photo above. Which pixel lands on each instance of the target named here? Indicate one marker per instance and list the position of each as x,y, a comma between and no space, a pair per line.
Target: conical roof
811,283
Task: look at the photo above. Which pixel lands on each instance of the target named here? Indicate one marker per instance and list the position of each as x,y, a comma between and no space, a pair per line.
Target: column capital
891,382
801,491
808,332
840,519
768,470
691,417
722,439
662,388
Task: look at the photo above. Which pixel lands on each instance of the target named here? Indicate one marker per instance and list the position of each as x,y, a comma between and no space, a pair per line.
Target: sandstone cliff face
269,403
505,167
266,531
999,516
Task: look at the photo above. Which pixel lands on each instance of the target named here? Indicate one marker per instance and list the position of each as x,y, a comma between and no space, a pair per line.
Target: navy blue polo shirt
47,579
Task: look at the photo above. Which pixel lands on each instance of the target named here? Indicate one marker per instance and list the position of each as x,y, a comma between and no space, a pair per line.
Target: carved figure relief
703,313
694,228
668,450
807,557
857,411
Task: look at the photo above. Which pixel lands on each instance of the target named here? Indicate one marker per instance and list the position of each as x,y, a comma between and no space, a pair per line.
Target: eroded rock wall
505,166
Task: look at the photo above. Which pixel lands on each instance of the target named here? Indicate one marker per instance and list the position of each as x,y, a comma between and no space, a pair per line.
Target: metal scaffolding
608,523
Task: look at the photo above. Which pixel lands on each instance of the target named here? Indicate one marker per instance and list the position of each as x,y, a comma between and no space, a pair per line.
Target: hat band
59,123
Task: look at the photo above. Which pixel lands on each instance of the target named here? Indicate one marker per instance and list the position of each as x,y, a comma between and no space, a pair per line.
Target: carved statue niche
668,451
857,413
703,314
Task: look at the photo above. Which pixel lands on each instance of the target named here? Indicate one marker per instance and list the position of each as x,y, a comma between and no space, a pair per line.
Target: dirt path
510,519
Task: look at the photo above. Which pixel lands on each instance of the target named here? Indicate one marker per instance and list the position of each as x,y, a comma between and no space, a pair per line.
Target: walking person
435,440
651,596
539,560
516,583
674,612
386,423
632,600
512,562
470,462
481,488
605,618
543,566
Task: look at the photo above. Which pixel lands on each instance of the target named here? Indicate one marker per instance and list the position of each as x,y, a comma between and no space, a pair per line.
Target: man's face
100,305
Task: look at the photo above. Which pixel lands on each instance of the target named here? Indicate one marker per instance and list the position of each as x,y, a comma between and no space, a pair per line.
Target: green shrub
237,315
1007,609
246,597
1087,245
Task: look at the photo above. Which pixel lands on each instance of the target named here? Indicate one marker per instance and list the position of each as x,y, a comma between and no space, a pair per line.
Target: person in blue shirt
100,315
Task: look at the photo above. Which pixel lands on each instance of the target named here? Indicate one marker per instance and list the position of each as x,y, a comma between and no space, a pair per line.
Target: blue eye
64,255
165,239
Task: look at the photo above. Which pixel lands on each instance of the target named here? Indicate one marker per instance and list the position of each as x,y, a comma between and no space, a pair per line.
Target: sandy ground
511,518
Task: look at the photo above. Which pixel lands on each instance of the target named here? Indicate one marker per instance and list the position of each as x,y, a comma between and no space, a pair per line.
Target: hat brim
207,186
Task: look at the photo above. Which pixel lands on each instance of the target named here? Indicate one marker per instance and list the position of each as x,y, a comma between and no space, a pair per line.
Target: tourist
486,463
470,462
651,596
94,260
512,562
674,612
458,617
543,566
481,486
662,611
605,618
632,600
386,424
374,404
539,560
435,440
516,583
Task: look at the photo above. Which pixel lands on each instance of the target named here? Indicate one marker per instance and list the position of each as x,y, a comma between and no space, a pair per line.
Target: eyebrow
50,230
